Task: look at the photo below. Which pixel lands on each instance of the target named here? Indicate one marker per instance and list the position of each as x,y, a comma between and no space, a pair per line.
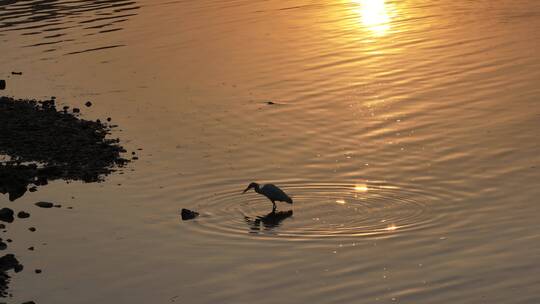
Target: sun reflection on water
375,15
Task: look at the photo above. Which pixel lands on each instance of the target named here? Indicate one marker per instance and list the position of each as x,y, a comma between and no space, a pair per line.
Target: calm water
407,133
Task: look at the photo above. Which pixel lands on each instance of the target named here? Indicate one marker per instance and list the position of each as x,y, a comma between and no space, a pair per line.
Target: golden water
407,133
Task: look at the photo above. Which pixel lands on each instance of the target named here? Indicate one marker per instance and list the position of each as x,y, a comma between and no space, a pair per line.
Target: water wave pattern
51,25
326,210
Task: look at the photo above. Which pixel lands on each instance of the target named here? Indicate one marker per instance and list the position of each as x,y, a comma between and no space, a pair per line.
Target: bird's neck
257,189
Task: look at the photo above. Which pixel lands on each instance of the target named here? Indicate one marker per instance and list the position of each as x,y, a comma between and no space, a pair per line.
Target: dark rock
7,262
44,204
16,73
88,104
270,103
32,189
188,214
109,119
33,229
6,215
23,214
2,226
3,246
31,248
37,271
76,110
2,84
9,240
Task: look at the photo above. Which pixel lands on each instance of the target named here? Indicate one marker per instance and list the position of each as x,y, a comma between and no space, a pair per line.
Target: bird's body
272,192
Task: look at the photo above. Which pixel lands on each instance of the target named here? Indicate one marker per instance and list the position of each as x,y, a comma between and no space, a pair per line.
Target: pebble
23,214
188,214
44,204
6,215
2,84
88,104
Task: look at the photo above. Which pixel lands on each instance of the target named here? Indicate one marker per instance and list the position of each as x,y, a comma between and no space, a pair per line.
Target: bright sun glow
391,228
375,15
361,188
341,202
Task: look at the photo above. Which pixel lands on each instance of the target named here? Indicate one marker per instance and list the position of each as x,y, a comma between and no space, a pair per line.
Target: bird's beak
246,189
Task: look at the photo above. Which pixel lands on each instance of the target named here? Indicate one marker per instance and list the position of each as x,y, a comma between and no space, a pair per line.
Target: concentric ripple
320,211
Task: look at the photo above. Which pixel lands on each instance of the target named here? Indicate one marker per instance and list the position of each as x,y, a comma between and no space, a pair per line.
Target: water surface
406,131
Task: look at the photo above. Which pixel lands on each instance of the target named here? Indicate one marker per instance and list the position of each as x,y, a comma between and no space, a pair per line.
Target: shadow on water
268,221
57,22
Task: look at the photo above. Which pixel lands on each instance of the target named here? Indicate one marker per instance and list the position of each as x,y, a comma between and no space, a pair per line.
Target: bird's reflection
268,221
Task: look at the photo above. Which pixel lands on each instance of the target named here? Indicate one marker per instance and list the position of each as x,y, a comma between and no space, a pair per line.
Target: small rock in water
88,104
9,261
16,73
3,246
188,214
31,248
2,84
23,214
6,215
270,103
38,270
76,110
33,229
44,204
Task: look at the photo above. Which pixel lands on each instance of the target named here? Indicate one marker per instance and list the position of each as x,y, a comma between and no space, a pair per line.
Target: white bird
272,192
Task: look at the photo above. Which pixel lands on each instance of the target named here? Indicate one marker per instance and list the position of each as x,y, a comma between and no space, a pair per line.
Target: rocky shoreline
40,143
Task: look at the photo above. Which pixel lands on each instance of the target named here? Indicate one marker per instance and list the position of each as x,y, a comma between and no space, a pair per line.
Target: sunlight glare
391,228
361,188
375,15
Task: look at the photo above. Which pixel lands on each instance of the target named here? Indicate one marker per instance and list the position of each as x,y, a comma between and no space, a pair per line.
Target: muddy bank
42,144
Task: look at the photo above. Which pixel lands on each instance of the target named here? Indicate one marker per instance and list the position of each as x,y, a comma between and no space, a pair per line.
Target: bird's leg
274,206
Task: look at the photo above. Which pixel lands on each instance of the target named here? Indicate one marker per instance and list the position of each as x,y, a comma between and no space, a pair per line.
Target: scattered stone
6,215
33,229
109,119
31,248
37,271
9,240
88,104
270,103
2,226
70,207
44,204
58,206
76,110
3,246
135,158
32,189
2,84
188,214
16,73
23,214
